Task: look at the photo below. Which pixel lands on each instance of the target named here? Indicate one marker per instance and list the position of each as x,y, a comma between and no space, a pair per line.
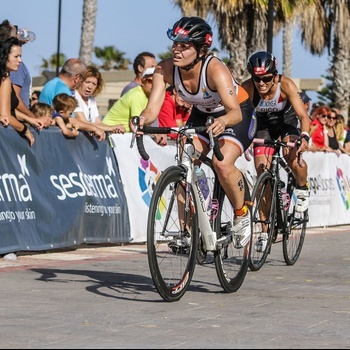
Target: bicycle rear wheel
231,264
293,241
263,220
171,244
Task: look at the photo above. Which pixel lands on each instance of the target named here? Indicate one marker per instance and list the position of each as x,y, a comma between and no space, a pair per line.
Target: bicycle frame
277,162
277,217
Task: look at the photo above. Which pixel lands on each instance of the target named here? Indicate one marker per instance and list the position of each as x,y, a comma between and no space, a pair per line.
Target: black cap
304,97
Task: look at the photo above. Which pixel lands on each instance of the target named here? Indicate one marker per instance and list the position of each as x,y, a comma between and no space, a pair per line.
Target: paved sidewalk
99,297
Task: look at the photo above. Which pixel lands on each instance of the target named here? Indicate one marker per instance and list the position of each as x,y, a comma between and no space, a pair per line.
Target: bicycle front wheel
231,263
172,235
263,220
293,241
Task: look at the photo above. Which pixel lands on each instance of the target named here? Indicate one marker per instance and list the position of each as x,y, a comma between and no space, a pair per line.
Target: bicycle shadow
117,285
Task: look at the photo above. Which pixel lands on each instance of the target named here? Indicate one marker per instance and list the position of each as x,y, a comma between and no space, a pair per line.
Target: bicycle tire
293,240
171,250
263,189
231,264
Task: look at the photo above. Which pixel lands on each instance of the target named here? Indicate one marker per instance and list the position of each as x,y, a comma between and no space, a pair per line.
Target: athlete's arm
161,76
289,88
219,78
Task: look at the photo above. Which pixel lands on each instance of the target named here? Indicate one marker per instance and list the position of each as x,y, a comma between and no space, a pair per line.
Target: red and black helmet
261,63
191,29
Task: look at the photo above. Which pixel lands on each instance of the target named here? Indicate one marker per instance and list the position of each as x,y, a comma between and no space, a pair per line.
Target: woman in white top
85,94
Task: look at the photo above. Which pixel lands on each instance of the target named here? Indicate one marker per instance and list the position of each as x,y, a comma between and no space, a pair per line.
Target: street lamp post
270,15
58,38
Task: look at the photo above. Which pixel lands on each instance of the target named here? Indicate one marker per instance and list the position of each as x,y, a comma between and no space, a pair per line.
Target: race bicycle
274,217
180,221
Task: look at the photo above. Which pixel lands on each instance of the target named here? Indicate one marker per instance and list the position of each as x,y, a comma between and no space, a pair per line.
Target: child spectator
64,105
42,110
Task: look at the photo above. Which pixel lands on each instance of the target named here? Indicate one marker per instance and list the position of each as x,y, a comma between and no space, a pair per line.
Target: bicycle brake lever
136,122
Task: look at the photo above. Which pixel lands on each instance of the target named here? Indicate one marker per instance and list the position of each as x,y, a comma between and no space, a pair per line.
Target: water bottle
202,181
25,35
285,197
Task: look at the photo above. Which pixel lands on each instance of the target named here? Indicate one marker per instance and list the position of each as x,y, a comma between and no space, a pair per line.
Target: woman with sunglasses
318,129
333,143
281,114
205,82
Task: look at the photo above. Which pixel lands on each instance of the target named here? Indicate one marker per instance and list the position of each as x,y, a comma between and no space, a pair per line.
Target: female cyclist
280,113
206,82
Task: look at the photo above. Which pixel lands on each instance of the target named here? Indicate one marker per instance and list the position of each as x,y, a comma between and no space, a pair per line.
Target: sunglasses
331,118
148,80
324,115
263,79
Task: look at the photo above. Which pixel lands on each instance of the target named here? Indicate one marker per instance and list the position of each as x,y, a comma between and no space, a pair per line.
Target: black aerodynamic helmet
261,63
191,29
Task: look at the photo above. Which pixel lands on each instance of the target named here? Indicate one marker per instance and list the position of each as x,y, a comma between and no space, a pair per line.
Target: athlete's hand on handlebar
303,145
136,123
217,126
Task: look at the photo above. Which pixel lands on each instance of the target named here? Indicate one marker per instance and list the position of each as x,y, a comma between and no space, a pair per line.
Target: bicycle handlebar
278,143
182,130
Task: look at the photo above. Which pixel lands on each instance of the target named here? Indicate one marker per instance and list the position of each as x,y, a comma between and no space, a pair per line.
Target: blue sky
131,26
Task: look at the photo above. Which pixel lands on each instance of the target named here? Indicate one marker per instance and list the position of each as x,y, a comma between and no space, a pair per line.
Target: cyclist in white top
206,82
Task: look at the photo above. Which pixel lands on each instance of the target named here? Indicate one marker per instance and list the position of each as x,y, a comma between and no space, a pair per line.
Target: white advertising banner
139,177
329,178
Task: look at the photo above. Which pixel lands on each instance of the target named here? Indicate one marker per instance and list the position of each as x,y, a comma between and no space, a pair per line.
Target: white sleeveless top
276,104
205,99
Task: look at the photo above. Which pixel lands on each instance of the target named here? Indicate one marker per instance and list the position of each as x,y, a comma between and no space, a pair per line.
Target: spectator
10,60
132,103
70,76
42,110
340,128
64,106
333,142
142,61
34,97
318,129
20,79
175,111
347,138
85,95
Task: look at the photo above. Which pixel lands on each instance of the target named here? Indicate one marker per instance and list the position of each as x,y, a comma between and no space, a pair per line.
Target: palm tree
88,31
50,65
326,25
112,58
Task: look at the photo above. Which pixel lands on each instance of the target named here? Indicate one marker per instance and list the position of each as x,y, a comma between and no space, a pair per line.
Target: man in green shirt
132,103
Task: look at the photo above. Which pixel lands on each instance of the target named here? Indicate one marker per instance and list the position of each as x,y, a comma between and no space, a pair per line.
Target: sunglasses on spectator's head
265,79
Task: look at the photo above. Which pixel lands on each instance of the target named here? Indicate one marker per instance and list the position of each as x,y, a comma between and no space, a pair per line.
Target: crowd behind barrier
59,193
64,192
